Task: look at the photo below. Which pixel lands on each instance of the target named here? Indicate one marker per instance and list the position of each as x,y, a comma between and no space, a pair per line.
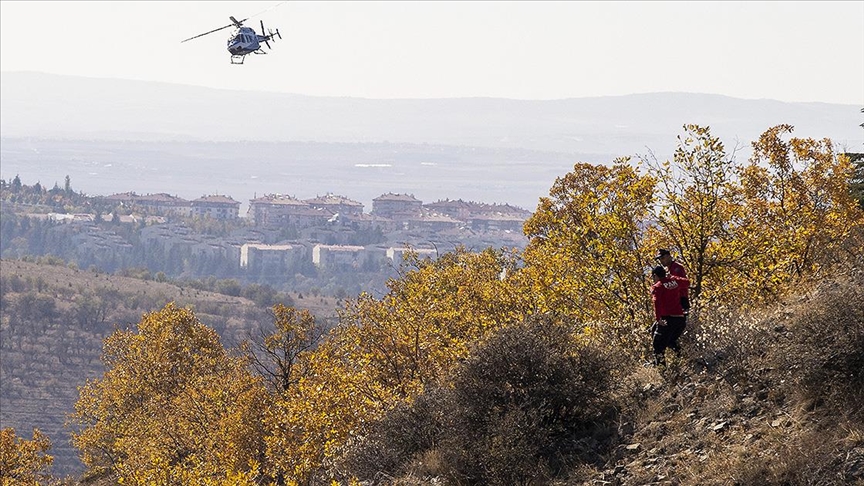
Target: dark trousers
667,337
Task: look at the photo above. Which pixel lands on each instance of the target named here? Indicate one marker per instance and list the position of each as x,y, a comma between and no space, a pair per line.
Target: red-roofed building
459,209
432,222
396,206
216,206
337,204
280,211
160,203
274,210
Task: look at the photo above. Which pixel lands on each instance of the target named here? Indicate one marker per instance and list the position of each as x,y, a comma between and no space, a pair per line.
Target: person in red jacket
676,269
669,321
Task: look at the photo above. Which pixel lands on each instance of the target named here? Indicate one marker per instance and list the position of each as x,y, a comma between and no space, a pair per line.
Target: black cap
661,252
659,271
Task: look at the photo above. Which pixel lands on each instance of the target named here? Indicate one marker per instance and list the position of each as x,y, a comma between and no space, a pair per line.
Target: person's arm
655,298
684,294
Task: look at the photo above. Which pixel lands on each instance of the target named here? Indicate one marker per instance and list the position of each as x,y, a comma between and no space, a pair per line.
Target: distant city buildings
215,206
258,257
391,211
396,206
159,203
322,229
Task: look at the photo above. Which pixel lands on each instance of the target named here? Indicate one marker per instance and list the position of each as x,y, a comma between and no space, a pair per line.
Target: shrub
823,351
403,434
727,340
523,407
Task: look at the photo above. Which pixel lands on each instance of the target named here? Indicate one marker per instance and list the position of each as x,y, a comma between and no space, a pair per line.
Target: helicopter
244,40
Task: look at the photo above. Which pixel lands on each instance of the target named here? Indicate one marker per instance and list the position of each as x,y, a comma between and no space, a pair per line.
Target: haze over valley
114,135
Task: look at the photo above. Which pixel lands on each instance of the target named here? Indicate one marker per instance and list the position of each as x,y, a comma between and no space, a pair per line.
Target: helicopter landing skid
238,59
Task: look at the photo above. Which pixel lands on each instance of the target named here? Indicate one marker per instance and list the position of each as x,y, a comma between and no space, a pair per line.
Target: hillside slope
52,325
772,397
769,399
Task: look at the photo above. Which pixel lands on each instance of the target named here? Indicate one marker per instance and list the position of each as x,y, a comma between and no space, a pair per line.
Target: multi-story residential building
396,206
397,255
458,209
307,217
497,222
431,222
159,233
344,256
161,203
471,211
366,221
337,205
258,257
273,210
280,211
215,206
90,241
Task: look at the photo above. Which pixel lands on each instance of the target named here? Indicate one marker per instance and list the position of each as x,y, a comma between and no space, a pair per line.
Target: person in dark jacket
669,321
676,269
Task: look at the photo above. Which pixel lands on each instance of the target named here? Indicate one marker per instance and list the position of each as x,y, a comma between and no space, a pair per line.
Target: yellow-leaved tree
386,350
24,462
276,356
172,407
587,256
697,209
799,215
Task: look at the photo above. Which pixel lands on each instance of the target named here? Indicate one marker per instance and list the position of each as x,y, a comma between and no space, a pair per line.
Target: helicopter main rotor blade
264,36
205,33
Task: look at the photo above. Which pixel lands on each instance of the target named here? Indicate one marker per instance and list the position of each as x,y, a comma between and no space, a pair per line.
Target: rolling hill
54,319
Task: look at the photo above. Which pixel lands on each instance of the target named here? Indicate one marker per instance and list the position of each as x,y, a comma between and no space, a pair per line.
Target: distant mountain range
116,135
45,105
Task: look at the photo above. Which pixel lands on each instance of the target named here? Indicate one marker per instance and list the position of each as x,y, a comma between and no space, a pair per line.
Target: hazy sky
788,51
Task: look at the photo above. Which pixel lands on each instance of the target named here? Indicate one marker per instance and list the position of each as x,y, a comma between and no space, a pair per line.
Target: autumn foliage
172,408
515,412
24,462
467,347
385,352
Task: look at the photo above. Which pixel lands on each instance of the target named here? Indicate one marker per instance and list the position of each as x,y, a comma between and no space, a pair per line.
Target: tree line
470,345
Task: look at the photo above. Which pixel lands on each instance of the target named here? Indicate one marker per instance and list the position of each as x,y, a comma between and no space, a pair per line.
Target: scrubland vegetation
505,367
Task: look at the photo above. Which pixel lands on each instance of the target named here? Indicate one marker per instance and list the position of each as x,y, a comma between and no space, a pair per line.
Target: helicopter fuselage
244,41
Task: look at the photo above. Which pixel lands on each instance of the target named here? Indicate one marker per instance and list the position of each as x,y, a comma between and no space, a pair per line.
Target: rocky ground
779,402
